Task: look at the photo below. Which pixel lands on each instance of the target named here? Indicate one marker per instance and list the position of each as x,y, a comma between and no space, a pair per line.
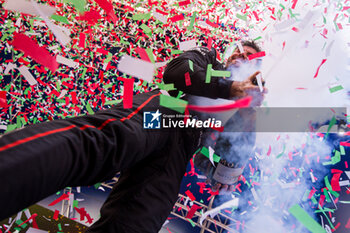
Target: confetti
27,75
26,7
187,45
128,64
66,61
128,92
300,214
318,69
32,49
178,105
187,79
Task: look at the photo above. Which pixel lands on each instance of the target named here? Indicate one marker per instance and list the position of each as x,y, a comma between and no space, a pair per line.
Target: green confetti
112,102
146,29
334,193
75,203
19,222
336,88
18,121
60,19
306,195
328,185
220,73
175,52
258,38
342,150
334,160
326,195
192,223
205,152
190,63
280,155
208,75
89,109
178,105
331,123
242,17
78,4
59,227
150,54
303,217
58,86
322,211
179,95
97,185
193,18
145,16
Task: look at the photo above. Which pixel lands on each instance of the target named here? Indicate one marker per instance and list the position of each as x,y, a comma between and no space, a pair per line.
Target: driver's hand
247,87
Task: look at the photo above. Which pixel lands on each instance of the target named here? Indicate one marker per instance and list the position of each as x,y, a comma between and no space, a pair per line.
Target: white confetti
27,75
187,45
136,67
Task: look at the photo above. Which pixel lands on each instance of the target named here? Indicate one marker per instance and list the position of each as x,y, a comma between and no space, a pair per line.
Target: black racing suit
40,159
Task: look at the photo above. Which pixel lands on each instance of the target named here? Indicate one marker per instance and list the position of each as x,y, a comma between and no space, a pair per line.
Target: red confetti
161,12
336,171
108,7
345,8
82,212
256,55
269,151
73,94
34,224
176,18
321,201
190,195
318,69
344,144
335,182
64,196
104,52
3,100
192,211
91,17
256,16
55,215
294,4
101,76
82,38
312,192
347,226
143,54
128,91
211,23
31,48
210,43
89,219
340,26
184,3
295,29
188,79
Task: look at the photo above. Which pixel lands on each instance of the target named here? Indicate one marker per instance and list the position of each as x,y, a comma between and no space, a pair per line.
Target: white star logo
155,115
